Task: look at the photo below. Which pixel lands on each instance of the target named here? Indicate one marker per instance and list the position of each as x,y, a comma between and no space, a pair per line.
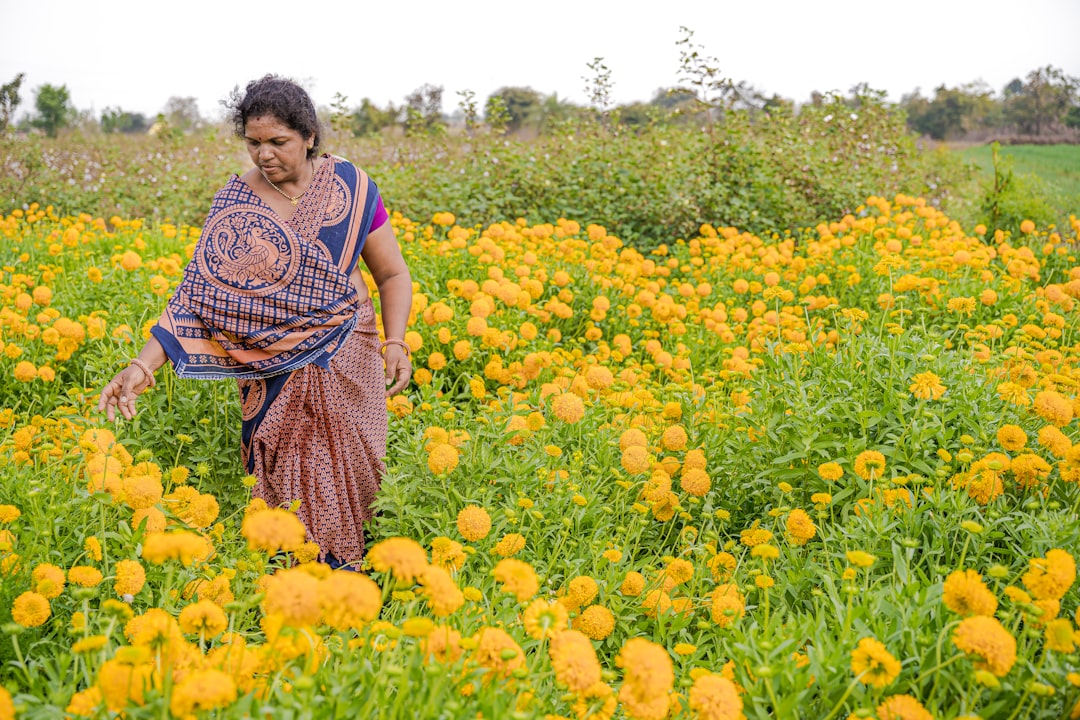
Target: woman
274,297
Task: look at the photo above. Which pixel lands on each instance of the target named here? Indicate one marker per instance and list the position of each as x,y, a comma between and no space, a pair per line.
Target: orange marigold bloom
596,621
800,528
1050,577
403,557
635,459
497,651
568,407
870,464
544,619
721,565
580,590
1053,408
443,459
273,530
574,660
727,605
473,522
518,578
1011,437
349,600
927,386
965,593
648,679
48,580
130,577
714,697
988,640
31,609
830,471
632,584
872,663
443,595
902,707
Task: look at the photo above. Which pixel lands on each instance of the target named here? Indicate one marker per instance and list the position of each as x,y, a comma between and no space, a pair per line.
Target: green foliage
54,108
521,103
1010,199
423,111
117,120
9,100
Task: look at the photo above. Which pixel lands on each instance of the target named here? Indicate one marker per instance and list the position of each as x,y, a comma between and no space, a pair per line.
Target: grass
1056,167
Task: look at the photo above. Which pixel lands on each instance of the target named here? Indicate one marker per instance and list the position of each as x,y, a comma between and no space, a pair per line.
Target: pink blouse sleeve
380,217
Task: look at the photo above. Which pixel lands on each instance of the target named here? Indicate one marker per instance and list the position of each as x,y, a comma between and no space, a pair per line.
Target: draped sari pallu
269,302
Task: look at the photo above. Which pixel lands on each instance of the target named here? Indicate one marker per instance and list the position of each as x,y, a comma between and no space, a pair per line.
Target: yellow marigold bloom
648,678
443,459
574,660
872,663
677,572
965,593
443,644
48,580
674,438
9,514
202,690
31,609
989,641
830,471
927,386
1029,470
1053,408
84,703
800,528
1059,636
273,530
441,592
510,545
633,584
754,536
860,558
293,595
175,545
25,371
684,649
635,459
568,407
1051,438
656,602
695,482
766,552
1011,437
473,522
722,565
902,707
123,683
203,618
632,437
349,600
821,498
130,577
1050,577
447,553
869,464
582,589
596,621
714,697
1013,393
727,604
93,548
497,651
518,578
403,557
611,555
543,619
85,576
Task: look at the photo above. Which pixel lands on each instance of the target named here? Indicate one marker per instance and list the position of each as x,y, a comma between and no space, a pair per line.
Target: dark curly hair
277,97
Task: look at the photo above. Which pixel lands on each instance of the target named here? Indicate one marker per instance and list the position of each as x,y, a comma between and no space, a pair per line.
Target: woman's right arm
130,382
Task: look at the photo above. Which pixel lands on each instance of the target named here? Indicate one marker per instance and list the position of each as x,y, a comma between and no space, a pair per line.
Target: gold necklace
293,200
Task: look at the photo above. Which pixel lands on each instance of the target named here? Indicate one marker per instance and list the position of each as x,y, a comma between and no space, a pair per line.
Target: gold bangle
146,370
395,341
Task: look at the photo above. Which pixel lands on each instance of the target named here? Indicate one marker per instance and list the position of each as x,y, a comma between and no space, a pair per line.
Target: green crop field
1054,169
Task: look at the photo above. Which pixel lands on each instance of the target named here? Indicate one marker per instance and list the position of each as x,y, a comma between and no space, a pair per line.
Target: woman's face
275,148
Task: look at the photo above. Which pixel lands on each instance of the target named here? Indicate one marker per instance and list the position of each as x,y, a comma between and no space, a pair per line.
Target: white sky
137,54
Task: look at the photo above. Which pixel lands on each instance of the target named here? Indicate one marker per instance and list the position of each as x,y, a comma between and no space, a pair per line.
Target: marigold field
827,474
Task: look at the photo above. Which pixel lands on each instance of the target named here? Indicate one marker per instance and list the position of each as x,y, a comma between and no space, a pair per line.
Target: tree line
1043,104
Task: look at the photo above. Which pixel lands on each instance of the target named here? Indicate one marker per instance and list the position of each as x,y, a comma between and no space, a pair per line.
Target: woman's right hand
121,392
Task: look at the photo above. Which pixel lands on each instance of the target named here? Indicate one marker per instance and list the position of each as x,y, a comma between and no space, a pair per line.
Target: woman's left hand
398,369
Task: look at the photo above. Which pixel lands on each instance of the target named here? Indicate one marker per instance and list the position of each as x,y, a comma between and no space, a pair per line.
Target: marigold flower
203,618
202,690
860,558
635,459
674,438
9,514
632,437
648,678
443,459
580,590
902,707
48,580
123,683
130,577
518,578
1052,407
574,660
1051,438
869,464
510,544
596,621
988,640
497,651
442,593
695,482
568,407
544,619
1052,576
175,545
1011,437
447,553
403,557
714,697
727,604
292,594
632,584
473,522
31,609
1059,636
273,530
93,548
349,600
965,593
442,644
872,663
84,703
800,528
927,386
85,576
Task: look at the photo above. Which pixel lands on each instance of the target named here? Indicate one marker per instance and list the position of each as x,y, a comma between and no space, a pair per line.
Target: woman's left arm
383,259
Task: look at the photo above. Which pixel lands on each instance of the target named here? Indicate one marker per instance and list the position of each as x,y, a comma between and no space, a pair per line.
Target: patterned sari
270,303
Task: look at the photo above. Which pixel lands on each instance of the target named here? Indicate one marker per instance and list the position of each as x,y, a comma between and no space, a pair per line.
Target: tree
952,112
521,103
369,119
423,111
54,108
1043,102
182,113
9,100
114,120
